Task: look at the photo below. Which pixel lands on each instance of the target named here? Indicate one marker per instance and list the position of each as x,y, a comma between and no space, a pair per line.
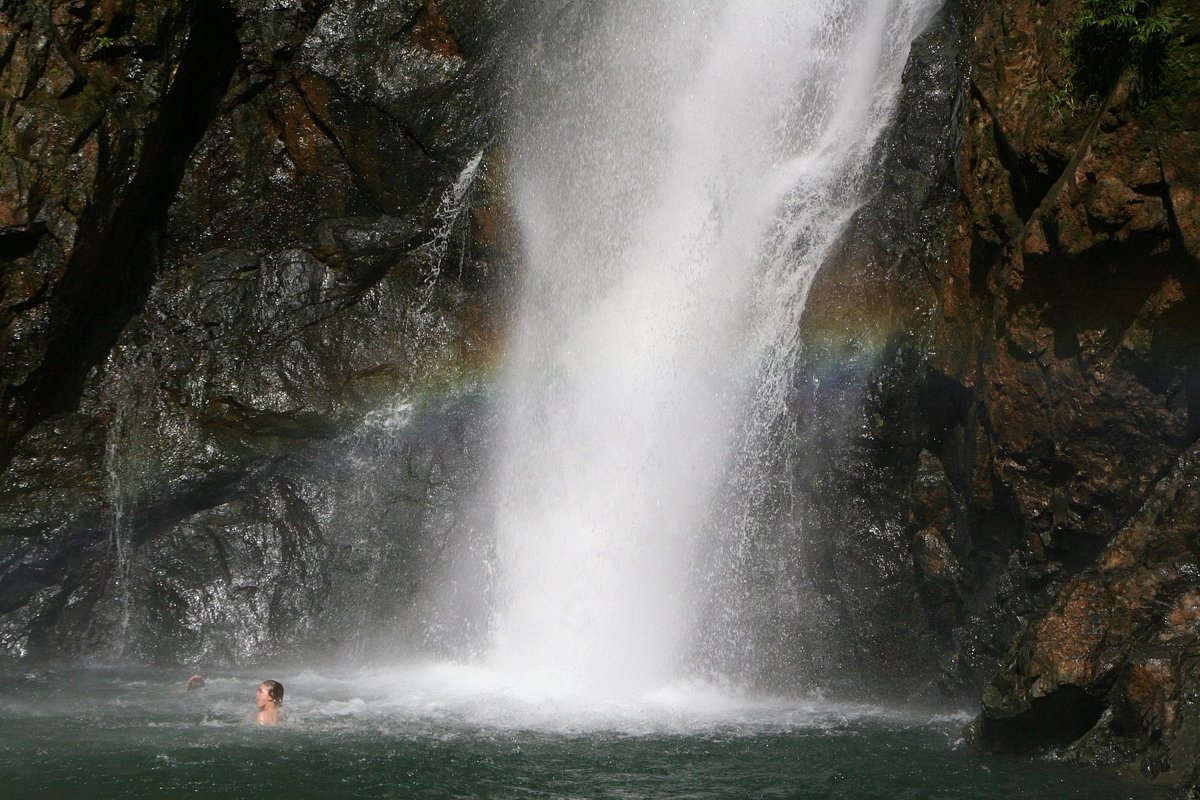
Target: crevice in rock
69,56
325,128
422,148
1178,243
115,261
1118,94
985,254
1076,550
1054,720
17,244
943,404
217,490
11,45
1029,188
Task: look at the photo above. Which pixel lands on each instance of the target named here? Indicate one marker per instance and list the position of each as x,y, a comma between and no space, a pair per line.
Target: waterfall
680,170
120,498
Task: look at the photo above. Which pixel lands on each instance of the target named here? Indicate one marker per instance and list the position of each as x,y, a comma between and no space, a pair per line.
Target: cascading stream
679,173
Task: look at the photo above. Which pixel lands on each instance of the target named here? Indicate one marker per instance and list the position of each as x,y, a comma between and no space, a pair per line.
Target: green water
132,734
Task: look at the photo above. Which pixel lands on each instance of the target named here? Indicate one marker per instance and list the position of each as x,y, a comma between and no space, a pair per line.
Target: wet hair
275,690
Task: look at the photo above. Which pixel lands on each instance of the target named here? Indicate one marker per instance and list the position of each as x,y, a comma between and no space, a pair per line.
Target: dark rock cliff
1052,520
231,232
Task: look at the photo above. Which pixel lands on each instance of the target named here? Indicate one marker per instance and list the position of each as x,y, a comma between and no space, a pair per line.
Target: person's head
269,692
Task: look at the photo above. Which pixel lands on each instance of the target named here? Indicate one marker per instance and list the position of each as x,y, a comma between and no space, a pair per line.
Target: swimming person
268,700
195,682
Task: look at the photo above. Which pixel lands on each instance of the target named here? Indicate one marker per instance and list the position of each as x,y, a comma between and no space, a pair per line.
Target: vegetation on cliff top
1109,36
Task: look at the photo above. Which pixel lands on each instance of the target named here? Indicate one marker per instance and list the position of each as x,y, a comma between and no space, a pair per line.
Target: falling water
125,369
120,501
680,172
448,217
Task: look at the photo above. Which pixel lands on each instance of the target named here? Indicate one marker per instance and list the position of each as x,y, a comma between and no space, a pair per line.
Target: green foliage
7,150
1107,36
1063,102
103,43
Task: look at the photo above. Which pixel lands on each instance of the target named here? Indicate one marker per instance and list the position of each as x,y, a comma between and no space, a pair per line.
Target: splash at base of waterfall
442,731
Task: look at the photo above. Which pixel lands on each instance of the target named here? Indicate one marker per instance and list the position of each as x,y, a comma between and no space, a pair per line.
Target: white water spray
678,183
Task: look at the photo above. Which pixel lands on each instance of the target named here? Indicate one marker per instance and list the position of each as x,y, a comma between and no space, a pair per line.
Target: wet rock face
235,233
102,104
1066,365
1120,641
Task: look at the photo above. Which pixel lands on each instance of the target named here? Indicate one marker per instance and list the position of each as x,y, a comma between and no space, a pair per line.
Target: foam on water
440,730
425,698
421,699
